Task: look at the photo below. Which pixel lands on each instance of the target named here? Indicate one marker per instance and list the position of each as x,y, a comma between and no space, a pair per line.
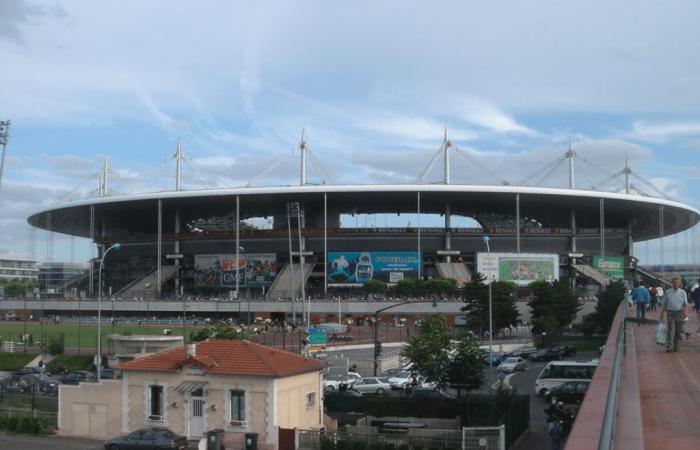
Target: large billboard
610,266
353,269
220,271
520,268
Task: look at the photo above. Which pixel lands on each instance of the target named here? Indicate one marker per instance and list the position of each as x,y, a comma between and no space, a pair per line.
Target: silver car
372,385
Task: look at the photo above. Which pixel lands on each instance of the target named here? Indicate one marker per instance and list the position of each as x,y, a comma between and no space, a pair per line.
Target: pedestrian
659,293
555,434
675,305
695,297
641,297
654,298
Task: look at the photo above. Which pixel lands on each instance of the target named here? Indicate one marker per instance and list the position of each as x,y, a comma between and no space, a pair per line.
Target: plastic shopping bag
661,334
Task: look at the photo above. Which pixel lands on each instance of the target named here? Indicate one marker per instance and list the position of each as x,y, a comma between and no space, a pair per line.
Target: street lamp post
488,249
98,359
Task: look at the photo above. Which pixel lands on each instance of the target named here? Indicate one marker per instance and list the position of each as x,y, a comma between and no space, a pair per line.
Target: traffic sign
317,338
316,330
315,348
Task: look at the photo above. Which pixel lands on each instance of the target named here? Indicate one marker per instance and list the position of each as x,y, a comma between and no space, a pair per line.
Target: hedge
13,362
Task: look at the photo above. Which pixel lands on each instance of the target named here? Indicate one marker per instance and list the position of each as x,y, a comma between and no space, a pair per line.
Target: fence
484,438
398,439
50,417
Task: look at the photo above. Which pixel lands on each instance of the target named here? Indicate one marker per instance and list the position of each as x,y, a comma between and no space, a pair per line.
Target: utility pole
302,150
179,156
4,136
571,154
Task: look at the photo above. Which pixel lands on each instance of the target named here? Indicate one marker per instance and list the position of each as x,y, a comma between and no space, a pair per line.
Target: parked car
427,393
403,380
372,385
524,352
78,377
151,437
567,350
354,376
350,392
110,374
333,382
496,359
388,373
548,354
571,392
512,364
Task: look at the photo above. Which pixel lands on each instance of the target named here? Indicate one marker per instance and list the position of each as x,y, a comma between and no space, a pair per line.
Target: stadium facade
206,244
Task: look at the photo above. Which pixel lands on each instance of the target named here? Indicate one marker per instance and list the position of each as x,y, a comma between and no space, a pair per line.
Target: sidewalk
669,386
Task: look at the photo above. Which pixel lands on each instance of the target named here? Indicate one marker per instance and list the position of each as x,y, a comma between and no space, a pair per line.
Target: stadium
276,244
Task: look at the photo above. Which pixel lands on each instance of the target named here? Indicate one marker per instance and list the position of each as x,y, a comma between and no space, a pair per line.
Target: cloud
14,14
660,131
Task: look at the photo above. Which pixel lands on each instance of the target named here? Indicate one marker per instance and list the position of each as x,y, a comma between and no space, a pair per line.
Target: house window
156,406
310,399
237,406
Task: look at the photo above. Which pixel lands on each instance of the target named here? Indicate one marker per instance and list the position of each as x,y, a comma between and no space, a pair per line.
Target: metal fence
50,417
484,438
399,439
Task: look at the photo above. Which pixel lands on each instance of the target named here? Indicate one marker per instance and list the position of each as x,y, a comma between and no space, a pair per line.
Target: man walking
695,297
675,305
641,297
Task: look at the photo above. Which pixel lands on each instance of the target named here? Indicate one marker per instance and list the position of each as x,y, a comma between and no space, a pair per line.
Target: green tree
220,331
553,307
439,285
465,371
375,286
407,286
428,352
608,302
476,298
56,346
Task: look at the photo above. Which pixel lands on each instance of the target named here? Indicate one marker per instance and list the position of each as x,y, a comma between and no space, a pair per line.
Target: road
524,382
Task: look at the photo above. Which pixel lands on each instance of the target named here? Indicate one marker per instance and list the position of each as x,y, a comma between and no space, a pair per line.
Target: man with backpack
654,299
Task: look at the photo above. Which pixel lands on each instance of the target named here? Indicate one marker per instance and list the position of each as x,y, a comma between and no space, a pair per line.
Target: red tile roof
234,357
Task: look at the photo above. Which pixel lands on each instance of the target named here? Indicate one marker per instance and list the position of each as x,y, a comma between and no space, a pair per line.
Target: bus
557,373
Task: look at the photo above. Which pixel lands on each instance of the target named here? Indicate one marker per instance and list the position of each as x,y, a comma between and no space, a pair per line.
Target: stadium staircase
147,284
280,287
651,277
589,272
455,271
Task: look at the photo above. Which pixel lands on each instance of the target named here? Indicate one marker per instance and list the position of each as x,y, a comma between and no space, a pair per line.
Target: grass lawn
84,336
15,361
71,362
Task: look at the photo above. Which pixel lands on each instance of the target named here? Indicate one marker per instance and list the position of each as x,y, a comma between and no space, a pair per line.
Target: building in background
54,277
689,273
14,269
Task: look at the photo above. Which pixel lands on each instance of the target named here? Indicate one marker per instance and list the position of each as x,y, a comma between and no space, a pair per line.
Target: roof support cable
476,162
421,178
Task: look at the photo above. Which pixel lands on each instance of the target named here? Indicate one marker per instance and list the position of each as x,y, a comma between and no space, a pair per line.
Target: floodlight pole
488,249
98,359
4,136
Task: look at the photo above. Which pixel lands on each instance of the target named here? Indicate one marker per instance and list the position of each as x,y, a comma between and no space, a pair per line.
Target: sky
373,84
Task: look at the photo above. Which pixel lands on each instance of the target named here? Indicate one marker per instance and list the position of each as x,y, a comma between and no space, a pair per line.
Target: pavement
669,389
27,442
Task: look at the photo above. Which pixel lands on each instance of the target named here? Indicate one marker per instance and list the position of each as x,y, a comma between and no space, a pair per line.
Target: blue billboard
353,269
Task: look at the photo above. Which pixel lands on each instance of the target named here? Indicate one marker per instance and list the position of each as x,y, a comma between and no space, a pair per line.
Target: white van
557,373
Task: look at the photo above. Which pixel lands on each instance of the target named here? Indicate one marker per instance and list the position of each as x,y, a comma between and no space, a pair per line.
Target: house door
196,414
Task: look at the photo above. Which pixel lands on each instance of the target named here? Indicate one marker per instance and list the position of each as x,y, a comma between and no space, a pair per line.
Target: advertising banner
353,269
220,271
520,268
610,266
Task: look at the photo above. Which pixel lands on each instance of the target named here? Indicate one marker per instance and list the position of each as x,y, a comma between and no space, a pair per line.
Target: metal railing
607,434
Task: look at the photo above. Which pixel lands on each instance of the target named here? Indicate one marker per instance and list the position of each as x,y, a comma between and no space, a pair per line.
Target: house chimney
191,350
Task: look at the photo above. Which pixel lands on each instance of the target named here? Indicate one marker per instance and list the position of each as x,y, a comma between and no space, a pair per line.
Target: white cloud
660,131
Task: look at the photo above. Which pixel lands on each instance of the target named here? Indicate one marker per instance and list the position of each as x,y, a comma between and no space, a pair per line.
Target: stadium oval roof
642,212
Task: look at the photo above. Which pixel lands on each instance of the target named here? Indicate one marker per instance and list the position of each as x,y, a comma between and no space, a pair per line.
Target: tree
407,286
220,331
503,297
428,352
375,286
608,302
465,370
553,307
440,285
